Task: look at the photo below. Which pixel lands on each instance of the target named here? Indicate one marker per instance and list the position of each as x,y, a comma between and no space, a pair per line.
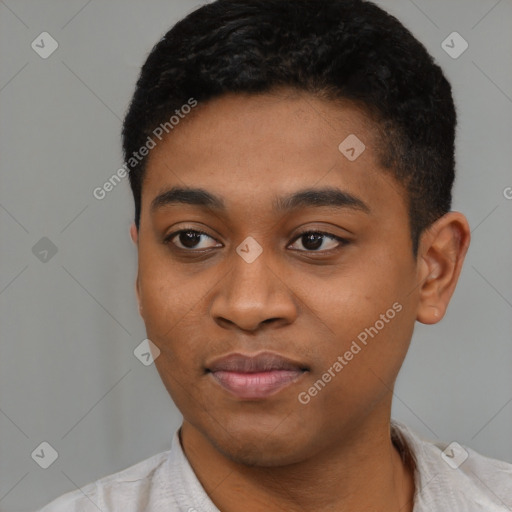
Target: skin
304,302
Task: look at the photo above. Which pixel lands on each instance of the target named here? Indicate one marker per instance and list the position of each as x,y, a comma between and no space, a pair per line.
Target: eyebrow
307,198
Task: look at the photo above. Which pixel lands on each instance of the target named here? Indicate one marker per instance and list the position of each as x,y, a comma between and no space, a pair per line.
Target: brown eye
188,239
312,241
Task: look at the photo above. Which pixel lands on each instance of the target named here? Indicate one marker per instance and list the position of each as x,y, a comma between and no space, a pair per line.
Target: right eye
187,239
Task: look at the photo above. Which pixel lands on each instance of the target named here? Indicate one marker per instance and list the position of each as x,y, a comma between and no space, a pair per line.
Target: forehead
258,148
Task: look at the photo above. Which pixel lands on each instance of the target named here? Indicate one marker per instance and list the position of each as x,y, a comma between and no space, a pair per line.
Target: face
290,250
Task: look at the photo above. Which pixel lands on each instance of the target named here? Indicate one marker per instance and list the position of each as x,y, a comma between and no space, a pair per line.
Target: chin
263,454
253,444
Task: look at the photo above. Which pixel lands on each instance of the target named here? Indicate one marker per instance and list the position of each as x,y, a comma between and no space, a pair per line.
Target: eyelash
342,241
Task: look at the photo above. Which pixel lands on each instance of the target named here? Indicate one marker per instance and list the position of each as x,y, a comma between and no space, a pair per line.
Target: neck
363,472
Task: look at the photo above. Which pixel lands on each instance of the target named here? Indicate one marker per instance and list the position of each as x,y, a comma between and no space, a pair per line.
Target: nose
254,294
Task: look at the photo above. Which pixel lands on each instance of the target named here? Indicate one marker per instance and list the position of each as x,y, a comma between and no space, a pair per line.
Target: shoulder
129,490
452,476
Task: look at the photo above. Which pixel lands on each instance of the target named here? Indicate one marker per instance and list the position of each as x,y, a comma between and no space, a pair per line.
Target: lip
255,376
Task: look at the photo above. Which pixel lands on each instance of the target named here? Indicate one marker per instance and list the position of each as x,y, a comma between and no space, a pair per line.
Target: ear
441,254
134,234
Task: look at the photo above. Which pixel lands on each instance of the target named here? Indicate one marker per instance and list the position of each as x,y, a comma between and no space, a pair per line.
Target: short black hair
348,50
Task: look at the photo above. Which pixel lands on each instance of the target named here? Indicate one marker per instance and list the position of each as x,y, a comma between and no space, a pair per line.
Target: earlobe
443,249
134,234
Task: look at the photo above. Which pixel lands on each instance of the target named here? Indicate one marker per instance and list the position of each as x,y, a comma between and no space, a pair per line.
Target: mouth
257,376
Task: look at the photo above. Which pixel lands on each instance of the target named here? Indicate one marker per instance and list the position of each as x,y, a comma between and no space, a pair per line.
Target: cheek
368,319
348,300
165,303
171,309
174,311
162,309
166,295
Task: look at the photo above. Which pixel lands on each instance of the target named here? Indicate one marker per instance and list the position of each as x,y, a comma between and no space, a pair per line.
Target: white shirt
456,480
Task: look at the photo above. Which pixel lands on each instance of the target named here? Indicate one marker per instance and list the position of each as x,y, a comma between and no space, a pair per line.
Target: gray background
69,325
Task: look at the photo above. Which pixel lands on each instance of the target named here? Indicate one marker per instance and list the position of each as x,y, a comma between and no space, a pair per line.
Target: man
292,166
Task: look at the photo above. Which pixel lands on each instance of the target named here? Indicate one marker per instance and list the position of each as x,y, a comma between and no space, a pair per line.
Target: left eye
314,240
